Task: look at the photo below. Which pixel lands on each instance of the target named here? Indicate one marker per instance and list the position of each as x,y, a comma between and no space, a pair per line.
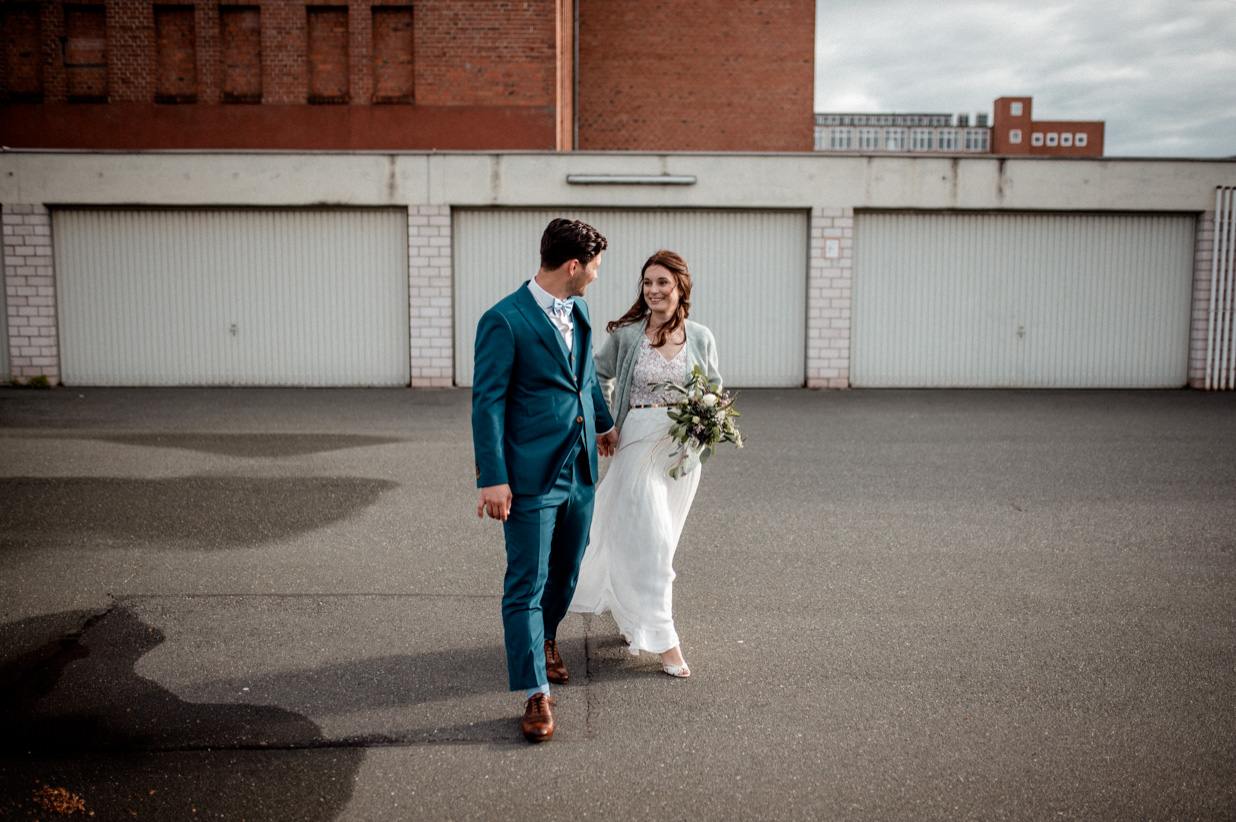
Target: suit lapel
583,333
541,325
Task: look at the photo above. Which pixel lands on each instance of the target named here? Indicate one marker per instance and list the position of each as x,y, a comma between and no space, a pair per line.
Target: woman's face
660,290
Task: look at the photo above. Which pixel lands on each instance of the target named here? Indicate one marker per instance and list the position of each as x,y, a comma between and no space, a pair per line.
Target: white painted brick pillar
829,283
1203,259
30,292
429,296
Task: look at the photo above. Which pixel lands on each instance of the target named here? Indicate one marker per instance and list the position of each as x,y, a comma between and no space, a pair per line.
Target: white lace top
651,367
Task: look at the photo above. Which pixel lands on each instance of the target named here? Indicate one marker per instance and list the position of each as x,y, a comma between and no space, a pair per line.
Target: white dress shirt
564,324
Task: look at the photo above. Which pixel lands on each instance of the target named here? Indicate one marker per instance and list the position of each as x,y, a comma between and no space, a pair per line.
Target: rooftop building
1012,132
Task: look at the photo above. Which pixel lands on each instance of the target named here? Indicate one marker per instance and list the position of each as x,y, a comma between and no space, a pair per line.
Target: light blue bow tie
566,305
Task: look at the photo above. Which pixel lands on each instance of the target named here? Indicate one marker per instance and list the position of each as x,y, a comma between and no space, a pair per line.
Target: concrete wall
540,179
832,189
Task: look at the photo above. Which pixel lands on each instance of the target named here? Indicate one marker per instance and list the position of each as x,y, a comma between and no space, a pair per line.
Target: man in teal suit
538,421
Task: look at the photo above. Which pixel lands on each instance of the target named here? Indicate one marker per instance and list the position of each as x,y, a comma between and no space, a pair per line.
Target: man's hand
496,501
607,442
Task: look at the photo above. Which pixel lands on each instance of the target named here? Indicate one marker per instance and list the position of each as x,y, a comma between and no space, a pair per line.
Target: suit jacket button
579,419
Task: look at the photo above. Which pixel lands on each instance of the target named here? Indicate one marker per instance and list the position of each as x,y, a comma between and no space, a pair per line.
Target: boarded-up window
23,52
393,77
176,40
85,53
240,40
328,54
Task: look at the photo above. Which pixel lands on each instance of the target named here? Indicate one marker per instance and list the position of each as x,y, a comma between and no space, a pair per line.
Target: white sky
1161,73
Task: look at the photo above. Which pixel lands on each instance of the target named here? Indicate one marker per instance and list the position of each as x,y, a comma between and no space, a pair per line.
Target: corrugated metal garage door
233,297
749,272
1021,300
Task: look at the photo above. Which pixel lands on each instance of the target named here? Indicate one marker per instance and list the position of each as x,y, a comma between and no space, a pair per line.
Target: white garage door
1021,300
233,297
749,273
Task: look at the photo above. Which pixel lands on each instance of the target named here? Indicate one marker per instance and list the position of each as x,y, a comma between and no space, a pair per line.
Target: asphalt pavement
279,604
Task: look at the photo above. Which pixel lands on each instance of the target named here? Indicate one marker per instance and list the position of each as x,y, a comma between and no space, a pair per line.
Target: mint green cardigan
615,362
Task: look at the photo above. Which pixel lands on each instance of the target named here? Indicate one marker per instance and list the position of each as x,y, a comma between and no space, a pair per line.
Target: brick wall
463,74
21,60
176,50
30,292
696,75
829,288
485,51
85,52
329,73
445,52
429,296
394,56
240,54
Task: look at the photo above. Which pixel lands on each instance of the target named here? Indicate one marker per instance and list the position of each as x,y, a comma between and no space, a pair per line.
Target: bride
640,511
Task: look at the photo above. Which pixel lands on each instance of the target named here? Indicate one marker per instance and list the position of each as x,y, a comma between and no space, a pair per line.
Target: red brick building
696,75
396,75
1014,131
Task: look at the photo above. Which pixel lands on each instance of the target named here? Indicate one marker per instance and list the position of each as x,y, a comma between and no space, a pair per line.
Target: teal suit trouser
545,540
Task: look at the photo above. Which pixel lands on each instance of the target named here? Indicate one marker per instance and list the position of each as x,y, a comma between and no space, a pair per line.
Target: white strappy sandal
679,671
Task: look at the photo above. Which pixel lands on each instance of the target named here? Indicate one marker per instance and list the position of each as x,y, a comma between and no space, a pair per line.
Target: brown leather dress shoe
538,724
555,668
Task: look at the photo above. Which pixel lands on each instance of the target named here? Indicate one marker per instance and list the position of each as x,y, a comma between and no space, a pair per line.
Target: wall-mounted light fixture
631,179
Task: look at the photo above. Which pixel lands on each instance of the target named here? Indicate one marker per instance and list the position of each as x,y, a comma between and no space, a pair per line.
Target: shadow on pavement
80,718
251,445
212,512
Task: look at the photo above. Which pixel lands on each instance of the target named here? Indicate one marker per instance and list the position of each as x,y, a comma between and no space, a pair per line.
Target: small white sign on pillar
832,249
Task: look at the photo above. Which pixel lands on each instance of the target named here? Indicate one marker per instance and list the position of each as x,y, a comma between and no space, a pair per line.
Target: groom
536,412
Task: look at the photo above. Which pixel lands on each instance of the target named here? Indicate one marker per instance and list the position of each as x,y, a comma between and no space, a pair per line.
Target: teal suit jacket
531,399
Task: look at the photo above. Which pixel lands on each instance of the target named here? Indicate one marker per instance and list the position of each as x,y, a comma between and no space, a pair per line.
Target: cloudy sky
1161,73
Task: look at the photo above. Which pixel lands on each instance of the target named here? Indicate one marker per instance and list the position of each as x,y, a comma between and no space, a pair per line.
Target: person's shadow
75,715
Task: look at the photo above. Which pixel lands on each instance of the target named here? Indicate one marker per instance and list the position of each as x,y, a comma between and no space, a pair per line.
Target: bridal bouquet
703,417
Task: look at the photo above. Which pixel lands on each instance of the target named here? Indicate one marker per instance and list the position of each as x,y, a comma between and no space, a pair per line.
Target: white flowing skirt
638,515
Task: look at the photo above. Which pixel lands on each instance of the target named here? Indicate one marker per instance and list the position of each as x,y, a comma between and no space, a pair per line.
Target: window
240,43
894,139
868,139
1014,109
1079,140
1052,138
949,139
922,139
840,139
820,135
1015,136
976,139
23,51
393,76
1036,139
85,53
176,46
1066,139
328,54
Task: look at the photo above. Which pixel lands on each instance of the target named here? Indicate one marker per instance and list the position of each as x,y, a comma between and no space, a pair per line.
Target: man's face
584,275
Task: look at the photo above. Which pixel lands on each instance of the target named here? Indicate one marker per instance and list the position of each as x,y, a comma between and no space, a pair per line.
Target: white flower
695,420
710,400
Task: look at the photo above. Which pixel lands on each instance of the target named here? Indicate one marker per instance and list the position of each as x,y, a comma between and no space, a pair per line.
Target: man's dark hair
569,240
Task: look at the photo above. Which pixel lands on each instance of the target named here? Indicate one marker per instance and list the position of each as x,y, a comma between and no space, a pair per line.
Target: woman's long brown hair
677,266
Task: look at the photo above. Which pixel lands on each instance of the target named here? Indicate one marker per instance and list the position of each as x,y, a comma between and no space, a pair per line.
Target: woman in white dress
628,568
